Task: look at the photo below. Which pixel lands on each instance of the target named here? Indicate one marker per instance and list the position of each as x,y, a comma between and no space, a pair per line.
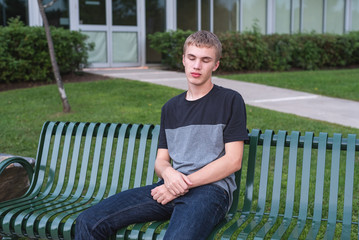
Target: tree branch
50,4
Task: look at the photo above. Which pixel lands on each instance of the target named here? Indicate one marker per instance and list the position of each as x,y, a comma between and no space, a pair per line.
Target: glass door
113,25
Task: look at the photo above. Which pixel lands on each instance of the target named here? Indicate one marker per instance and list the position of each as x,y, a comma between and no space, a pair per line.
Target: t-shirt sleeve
162,141
236,127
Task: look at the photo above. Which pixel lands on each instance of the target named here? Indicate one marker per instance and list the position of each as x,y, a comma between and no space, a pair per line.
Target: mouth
195,75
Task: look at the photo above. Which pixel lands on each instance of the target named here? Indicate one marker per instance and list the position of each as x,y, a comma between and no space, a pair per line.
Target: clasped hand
175,184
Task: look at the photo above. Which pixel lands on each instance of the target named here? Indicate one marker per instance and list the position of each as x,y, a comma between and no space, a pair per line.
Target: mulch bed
73,77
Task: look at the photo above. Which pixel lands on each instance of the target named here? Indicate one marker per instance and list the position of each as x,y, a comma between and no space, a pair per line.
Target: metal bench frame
79,164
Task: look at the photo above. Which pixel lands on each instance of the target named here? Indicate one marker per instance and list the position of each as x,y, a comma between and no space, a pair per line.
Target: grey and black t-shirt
194,132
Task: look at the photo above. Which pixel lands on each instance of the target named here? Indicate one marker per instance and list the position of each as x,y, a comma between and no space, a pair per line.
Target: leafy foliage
253,51
24,52
170,45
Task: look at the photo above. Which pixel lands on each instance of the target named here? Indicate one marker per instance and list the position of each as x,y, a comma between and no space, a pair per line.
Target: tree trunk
55,67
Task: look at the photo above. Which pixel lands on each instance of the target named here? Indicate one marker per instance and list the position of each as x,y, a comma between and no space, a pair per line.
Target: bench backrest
286,175
94,159
305,177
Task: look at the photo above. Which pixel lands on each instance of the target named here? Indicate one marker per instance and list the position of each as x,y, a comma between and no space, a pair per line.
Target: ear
215,66
183,61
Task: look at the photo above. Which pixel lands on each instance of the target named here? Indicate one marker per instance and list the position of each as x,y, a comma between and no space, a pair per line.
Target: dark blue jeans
192,216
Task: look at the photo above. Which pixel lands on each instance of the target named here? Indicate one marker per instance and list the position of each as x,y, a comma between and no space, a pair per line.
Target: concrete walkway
333,110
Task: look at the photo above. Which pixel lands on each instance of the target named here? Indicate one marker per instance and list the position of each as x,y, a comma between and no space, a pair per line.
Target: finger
187,180
154,191
155,197
173,189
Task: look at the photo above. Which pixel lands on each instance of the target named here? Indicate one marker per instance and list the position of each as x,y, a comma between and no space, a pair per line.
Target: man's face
199,63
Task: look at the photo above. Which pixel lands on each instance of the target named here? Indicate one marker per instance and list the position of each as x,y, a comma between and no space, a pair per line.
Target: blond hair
204,39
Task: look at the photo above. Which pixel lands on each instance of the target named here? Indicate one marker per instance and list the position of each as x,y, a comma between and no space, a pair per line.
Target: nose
197,64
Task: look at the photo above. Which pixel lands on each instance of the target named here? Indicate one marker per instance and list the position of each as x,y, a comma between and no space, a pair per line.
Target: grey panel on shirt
194,146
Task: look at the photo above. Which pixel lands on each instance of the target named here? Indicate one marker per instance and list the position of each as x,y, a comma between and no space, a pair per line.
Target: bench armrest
28,167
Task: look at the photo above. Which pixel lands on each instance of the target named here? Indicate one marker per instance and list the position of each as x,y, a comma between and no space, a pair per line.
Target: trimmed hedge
252,51
24,54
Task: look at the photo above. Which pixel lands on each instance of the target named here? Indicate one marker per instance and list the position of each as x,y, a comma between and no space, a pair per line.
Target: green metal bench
306,188
291,185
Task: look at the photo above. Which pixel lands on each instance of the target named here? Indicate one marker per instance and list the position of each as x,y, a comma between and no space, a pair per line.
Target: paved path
333,110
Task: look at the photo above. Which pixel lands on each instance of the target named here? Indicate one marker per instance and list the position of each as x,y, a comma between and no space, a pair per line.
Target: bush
242,51
24,54
280,52
252,51
170,45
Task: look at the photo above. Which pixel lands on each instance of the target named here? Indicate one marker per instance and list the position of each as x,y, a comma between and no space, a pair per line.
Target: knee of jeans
81,220
87,227
83,227
84,221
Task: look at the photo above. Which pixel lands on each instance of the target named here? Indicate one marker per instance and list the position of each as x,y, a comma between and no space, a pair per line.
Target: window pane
254,12
335,16
124,12
282,17
58,14
187,16
155,22
93,12
11,9
355,15
99,54
205,15
124,47
312,16
225,15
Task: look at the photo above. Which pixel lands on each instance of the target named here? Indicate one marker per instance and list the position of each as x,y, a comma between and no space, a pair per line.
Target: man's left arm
221,168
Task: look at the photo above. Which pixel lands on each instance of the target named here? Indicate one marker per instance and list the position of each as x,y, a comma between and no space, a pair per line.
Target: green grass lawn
24,111
334,83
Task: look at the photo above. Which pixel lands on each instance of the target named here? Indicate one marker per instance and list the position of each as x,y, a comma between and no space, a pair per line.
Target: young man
200,147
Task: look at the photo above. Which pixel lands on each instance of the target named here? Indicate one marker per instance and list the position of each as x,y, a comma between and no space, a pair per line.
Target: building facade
119,28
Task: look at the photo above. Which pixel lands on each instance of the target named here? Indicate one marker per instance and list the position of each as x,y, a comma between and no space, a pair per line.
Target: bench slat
118,158
276,186
141,156
292,165
319,186
348,190
304,196
263,182
129,157
334,185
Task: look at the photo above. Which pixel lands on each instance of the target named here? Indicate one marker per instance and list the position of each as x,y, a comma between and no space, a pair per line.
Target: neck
195,93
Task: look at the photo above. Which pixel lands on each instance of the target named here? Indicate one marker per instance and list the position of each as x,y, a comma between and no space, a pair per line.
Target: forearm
160,166
220,168
176,182
215,171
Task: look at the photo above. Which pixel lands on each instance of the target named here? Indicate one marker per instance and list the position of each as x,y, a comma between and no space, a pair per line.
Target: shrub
242,51
170,45
24,52
280,52
252,51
